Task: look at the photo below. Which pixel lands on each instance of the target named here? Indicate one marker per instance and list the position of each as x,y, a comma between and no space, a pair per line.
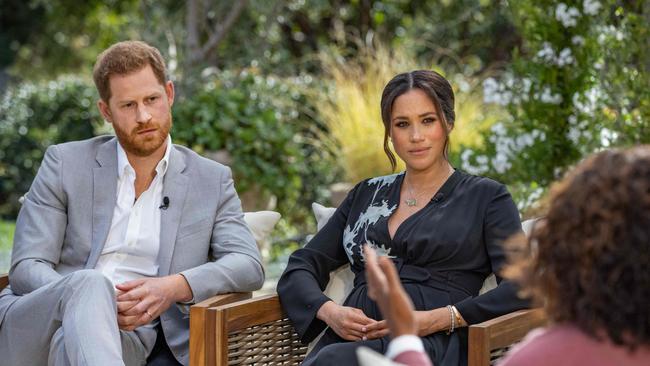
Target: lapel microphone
165,204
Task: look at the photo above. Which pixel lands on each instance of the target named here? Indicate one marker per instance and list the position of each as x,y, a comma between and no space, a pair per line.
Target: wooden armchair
258,332
201,336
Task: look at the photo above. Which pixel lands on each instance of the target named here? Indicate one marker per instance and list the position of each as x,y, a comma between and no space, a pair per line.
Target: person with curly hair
588,263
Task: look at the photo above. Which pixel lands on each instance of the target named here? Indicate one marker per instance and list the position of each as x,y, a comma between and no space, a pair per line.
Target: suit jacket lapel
175,186
104,198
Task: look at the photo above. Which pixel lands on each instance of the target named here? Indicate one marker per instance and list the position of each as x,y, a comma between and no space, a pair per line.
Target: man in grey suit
117,235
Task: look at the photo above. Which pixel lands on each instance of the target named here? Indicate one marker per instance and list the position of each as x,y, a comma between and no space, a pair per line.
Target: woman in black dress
443,229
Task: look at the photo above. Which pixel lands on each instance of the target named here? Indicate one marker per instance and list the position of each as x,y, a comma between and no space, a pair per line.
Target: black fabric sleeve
301,286
501,220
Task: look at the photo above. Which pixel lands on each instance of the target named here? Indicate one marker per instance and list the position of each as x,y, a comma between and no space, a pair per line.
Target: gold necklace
412,201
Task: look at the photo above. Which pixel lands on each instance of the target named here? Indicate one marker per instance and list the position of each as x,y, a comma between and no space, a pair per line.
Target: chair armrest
252,312
501,332
202,327
255,331
4,280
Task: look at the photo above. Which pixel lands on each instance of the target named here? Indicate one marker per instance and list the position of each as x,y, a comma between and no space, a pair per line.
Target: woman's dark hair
588,260
434,85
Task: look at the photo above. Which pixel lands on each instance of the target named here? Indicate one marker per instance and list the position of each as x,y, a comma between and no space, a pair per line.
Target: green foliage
32,117
7,229
45,38
268,128
576,85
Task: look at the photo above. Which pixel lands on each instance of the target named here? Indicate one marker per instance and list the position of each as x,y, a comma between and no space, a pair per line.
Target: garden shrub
270,131
34,116
577,85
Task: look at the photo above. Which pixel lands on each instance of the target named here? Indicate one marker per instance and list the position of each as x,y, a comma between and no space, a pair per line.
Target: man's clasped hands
142,300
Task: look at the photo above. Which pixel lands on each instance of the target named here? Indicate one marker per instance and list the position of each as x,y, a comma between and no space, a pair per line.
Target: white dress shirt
133,242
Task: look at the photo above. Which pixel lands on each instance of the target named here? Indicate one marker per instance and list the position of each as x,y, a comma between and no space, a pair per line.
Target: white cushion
368,357
341,279
261,224
322,214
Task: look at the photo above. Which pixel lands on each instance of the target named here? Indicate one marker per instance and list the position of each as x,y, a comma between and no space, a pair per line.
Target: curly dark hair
588,261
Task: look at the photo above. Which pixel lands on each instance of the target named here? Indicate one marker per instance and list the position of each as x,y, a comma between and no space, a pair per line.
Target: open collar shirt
133,242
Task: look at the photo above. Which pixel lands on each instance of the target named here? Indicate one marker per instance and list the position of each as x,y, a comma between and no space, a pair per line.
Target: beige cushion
341,280
261,224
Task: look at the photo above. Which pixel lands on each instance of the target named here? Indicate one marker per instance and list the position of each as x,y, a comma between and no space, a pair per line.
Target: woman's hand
349,323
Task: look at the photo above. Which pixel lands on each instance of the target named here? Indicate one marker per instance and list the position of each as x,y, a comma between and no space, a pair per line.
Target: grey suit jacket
67,213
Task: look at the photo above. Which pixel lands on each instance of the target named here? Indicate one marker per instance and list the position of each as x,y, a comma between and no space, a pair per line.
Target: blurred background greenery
287,92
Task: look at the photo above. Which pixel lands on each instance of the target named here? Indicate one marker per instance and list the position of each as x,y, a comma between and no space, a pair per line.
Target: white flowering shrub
578,83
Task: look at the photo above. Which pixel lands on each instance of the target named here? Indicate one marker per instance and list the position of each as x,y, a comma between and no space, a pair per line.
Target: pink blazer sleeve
413,358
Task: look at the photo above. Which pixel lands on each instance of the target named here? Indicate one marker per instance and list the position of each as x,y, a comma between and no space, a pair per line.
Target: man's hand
142,300
349,323
385,287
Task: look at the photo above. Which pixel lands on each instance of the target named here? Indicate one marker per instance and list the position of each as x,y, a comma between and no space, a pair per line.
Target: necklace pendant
411,202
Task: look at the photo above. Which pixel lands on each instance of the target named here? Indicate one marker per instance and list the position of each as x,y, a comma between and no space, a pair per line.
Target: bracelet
452,319
457,313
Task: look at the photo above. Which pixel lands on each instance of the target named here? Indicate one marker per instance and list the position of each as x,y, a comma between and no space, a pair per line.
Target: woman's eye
429,120
401,124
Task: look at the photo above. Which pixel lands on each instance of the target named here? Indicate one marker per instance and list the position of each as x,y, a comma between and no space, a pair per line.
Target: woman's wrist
325,310
460,321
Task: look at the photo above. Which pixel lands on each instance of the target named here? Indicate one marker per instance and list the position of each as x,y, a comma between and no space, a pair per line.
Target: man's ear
169,90
104,110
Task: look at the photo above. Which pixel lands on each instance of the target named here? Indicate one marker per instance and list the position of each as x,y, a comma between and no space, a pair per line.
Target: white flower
493,92
607,136
546,53
591,7
573,119
587,103
578,40
574,135
565,57
619,35
526,84
500,163
498,129
482,159
566,15
547,97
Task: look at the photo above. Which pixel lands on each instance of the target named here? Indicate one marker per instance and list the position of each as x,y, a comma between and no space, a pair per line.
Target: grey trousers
71,322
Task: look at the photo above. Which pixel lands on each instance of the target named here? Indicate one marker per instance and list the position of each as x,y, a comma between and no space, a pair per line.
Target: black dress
443,254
